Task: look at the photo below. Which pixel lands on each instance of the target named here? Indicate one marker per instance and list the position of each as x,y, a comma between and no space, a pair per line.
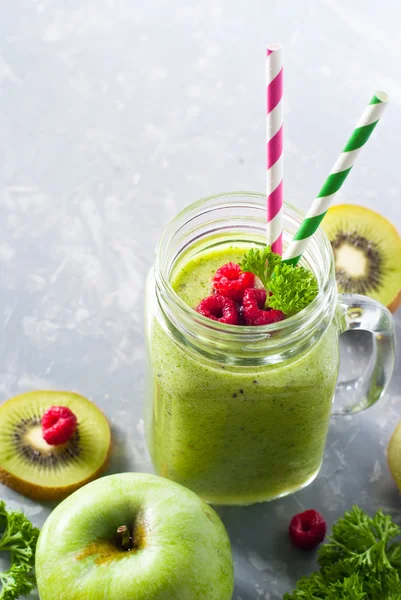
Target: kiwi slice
36,469
394,455
367,252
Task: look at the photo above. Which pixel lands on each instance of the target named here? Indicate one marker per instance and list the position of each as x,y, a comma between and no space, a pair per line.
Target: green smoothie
236,435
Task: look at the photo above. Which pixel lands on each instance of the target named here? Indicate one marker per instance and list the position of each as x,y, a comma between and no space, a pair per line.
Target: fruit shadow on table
120,460
264,558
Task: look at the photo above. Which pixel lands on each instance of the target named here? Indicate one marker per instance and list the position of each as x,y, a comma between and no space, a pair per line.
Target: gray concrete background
116,114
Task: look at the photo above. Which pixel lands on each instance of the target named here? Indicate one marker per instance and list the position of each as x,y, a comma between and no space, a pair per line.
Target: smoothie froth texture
236,435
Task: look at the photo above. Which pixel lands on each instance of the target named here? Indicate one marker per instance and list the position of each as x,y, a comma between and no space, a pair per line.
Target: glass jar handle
360,312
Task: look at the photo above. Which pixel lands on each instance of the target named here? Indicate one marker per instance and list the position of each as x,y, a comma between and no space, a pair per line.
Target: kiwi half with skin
31,466
367,253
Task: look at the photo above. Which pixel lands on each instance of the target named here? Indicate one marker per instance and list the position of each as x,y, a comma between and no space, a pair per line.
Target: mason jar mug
240,414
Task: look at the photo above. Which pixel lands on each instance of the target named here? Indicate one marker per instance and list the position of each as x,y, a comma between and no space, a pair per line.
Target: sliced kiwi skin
394,455
42,472
36,492
367,251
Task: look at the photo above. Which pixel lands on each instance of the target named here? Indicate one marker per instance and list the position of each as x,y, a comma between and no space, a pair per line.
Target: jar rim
253,199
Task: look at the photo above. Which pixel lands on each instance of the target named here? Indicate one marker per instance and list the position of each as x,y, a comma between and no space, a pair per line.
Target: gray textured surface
116,114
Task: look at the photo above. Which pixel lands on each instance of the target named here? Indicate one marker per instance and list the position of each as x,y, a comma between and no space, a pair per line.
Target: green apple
170,545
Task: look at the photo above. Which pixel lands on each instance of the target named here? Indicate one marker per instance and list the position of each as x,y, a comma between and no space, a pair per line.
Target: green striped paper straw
336,178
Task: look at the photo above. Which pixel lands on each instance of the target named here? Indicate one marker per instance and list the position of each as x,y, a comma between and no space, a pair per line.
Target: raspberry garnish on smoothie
287,290
219,308
253,309
231,282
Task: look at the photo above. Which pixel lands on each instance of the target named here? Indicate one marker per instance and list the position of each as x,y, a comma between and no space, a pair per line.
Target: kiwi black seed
42,471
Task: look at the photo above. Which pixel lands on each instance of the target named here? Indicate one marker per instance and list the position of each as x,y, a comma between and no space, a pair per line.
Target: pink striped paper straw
274,96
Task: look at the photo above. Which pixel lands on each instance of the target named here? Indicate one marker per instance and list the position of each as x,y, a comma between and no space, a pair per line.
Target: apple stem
124,538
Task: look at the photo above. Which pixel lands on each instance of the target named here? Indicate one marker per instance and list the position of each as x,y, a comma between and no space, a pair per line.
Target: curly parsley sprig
288,288
261,263
18,537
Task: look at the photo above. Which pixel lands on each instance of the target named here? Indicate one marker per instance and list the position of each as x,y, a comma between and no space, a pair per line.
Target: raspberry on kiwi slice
367,252
31,466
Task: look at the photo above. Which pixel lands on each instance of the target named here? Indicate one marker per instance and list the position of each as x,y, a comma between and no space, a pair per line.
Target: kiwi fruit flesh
394,455
41,471
367,253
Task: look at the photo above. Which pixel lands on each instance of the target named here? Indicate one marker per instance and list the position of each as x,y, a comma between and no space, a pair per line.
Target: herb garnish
18,537
288,288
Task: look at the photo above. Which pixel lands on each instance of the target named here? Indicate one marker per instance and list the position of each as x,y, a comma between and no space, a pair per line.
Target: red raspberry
252,306
58,425
219,308
307,529
231,282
